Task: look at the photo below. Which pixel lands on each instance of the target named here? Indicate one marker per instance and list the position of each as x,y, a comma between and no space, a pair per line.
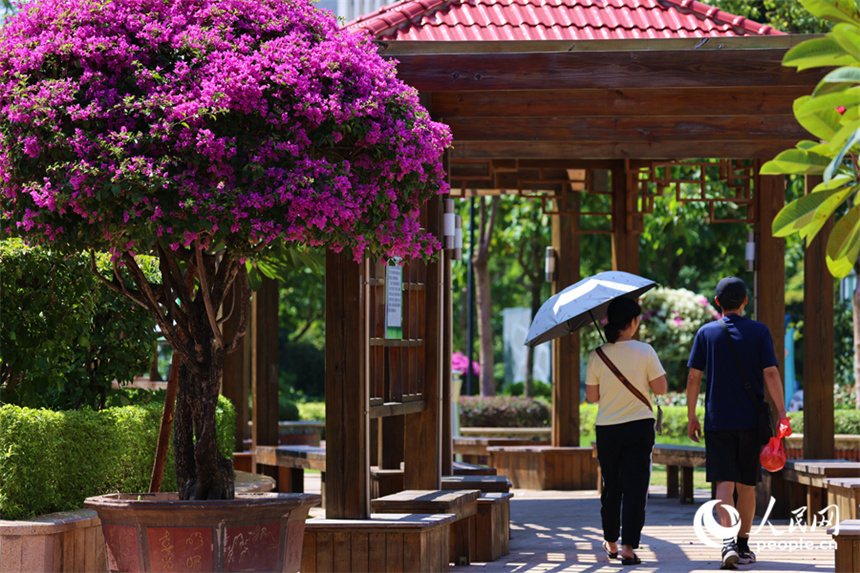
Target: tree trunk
483,298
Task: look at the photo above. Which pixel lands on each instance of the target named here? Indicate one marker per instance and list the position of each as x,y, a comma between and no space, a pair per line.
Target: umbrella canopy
583,302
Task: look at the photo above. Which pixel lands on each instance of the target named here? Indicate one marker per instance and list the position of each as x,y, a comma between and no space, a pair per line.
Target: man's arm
694,381
773,383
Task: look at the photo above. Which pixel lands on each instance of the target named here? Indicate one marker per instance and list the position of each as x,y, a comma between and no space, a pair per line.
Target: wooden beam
264,368
601,70
565,350
423,431
770,263
818,368
347,485
625,225
639,129
584,150
620,102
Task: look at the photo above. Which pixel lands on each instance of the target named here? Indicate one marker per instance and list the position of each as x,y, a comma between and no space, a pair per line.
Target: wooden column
236,380
447,349
264,369
770,263
818,369
347,485
625,224
565,354
423,431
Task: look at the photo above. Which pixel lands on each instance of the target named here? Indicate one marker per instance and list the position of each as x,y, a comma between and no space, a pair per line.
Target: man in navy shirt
731,416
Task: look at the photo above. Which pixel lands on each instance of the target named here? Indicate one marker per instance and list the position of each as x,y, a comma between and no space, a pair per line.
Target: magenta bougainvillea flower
460,364
236,122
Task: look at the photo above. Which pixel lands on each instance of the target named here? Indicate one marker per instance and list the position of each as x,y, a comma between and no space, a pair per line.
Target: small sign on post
393,301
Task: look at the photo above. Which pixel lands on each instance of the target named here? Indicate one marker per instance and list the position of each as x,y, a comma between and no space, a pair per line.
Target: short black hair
621,311
730,293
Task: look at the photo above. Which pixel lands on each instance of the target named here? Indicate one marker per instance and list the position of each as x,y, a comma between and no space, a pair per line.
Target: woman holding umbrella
620,375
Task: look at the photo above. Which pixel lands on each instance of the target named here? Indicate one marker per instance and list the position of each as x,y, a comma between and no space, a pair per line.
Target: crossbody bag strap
623,378
747,386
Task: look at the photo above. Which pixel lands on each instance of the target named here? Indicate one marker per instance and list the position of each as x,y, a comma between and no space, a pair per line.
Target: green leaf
795,161
843,245
799,213
817,53
848,37
255,279
827,208
837,161
818,115
843,75
834,11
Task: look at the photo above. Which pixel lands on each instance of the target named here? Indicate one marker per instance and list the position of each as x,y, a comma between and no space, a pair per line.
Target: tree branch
207,301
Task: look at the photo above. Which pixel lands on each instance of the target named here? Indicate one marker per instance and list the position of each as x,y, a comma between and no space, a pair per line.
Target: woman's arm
658,385
592,393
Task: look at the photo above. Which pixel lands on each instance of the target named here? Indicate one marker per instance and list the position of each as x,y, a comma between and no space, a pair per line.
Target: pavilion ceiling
569,103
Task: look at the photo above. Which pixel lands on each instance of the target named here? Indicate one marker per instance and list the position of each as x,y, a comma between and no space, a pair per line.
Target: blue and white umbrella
582,303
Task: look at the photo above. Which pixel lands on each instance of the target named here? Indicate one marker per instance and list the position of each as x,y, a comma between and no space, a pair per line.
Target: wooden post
565,355
236,381
347,484
423,431
447,348
818,369
770,264
390,442
264,369
625,231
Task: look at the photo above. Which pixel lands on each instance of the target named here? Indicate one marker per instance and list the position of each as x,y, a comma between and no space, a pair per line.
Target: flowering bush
204,131
460,364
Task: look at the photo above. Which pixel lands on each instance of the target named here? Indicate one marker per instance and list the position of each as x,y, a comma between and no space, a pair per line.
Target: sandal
631,560
609,553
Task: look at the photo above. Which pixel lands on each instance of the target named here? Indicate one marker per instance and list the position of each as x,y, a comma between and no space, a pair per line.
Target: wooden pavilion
571,98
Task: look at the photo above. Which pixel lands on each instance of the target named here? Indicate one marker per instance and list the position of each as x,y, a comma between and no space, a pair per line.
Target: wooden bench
492,527
686,458
546,467
385,482
805,481
474,449
465,469
292,461
485,484
463,504
847,546
844,493
411,543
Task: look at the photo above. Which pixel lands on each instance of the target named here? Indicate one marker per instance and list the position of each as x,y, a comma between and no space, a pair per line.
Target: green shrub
53,460
64,337
312,411
503,412
539,389
844,422
674,420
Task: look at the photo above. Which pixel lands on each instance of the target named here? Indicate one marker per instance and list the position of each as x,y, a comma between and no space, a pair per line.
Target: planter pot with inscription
159,532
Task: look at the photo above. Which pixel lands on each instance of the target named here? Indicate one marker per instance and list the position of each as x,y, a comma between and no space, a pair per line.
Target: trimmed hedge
53,460
503,412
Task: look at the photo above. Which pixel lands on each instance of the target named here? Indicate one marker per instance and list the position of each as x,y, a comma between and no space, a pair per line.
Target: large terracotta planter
158,532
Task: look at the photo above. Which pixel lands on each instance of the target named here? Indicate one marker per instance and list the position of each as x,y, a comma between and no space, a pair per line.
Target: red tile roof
464,20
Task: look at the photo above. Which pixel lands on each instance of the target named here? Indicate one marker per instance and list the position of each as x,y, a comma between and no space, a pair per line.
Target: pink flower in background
459,364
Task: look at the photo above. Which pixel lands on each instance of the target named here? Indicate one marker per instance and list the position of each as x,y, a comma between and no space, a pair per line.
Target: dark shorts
733,455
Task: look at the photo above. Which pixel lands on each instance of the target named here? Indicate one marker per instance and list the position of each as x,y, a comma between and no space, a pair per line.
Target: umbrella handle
600,332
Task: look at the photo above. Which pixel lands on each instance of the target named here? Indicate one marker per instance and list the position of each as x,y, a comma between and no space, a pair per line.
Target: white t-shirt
639,363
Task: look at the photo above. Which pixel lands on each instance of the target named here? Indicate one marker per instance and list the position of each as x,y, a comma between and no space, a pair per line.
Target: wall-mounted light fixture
549,265
750,254
448,224
458,238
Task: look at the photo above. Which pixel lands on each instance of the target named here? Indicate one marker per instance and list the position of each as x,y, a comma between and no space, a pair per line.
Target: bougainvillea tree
204,131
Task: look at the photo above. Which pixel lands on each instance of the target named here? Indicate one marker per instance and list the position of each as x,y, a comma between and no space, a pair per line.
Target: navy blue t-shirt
728,406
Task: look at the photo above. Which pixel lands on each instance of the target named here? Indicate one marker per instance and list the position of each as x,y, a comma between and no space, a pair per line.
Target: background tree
206,132
785,15
488,210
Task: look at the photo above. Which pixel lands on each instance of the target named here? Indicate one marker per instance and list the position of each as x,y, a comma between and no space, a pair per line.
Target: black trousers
624,453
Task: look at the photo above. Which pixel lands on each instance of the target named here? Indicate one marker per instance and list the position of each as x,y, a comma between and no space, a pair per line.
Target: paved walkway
559,532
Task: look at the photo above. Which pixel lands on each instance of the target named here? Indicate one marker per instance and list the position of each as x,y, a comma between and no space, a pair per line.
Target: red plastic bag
772,457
